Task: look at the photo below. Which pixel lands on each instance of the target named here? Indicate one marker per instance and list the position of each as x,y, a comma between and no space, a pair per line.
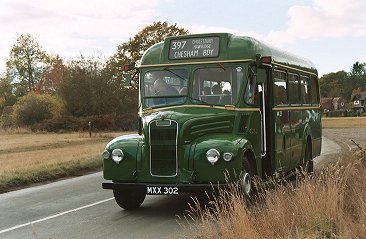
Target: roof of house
359,96
326,103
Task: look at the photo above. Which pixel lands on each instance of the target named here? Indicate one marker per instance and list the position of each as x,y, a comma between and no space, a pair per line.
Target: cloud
324,18
195,29
68,27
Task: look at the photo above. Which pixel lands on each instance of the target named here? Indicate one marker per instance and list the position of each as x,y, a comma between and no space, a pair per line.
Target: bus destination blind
194,48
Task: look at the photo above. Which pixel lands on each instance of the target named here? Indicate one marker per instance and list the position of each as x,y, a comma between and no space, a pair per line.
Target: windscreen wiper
181,77
199,100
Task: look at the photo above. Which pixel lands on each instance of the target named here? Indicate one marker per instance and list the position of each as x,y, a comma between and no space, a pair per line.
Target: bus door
266,128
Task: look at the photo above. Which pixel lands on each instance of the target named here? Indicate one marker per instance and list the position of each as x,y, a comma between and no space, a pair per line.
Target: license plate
162,190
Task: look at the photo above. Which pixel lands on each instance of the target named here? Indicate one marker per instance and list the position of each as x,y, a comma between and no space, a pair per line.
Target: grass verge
327,204
344,122
14,179
29,158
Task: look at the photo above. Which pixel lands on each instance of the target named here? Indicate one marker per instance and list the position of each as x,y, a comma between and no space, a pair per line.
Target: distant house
358,102
340,103
326,104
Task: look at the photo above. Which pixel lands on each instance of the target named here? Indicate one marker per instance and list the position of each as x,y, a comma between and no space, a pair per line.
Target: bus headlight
117,155
227,156
106,154
212,156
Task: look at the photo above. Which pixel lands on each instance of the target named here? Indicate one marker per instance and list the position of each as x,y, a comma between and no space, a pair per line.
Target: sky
331,33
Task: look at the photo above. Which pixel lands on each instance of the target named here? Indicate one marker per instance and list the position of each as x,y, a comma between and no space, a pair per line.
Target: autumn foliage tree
87,86
132,50
343,83
27,62
52,76
331,85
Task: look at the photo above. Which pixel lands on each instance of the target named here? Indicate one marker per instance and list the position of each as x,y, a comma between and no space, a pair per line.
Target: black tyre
129,199
246,177
308,160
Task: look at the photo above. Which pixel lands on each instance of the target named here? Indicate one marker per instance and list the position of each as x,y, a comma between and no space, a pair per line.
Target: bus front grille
163,148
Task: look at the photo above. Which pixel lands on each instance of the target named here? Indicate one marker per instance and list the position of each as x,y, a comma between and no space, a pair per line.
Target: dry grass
14,130
31,158
344,122
328,204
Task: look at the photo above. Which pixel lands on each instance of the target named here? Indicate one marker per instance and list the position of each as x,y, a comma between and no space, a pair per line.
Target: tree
343,83
331,84
78,86
86,91
52,76
357,77
26,62
7,98
132,50
125,99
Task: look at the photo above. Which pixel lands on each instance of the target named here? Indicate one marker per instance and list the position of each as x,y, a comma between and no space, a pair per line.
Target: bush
6,121
337,113
34,108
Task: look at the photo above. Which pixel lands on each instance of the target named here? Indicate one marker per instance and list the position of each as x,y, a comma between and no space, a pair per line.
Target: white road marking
54,216
349,147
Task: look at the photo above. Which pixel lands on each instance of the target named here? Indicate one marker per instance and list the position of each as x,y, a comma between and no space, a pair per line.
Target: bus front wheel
246,177
129,199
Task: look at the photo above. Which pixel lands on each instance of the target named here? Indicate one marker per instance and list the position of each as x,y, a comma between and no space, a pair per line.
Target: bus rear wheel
129,199
308,160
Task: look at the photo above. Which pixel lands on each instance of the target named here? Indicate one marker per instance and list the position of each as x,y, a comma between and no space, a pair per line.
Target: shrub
6,121
34,108
337,113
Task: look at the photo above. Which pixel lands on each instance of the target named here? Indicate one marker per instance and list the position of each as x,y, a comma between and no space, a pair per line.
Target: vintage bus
213,107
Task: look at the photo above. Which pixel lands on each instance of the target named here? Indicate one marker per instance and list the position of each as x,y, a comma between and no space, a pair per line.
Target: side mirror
127,77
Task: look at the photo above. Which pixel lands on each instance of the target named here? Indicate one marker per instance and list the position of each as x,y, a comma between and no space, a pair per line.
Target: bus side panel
282,140
297,129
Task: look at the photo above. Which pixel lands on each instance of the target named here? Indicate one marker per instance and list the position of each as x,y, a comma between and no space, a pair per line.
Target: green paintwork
231,48
198,127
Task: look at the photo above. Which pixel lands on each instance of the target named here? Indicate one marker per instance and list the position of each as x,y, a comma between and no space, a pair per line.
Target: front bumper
164,189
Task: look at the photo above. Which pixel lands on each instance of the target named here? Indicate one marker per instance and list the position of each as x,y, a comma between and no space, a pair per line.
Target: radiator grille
163,148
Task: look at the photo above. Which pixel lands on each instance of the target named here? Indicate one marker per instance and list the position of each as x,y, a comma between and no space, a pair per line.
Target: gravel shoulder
344,137
348,139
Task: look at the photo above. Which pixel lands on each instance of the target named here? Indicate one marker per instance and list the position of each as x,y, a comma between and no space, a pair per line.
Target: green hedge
342,113
125,122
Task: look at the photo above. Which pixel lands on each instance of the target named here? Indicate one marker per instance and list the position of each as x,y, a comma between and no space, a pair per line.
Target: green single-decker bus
215,109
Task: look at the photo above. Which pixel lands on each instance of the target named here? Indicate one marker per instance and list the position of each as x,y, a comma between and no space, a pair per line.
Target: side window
305,90
217,86
280,88
314,90
293,83
251,91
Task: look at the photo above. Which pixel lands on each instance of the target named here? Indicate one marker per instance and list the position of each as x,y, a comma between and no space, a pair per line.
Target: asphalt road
79,208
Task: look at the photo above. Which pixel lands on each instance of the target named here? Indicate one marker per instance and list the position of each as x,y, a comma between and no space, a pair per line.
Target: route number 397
178,45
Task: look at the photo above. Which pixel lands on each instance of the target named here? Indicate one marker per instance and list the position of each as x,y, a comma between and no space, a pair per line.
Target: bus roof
227,48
